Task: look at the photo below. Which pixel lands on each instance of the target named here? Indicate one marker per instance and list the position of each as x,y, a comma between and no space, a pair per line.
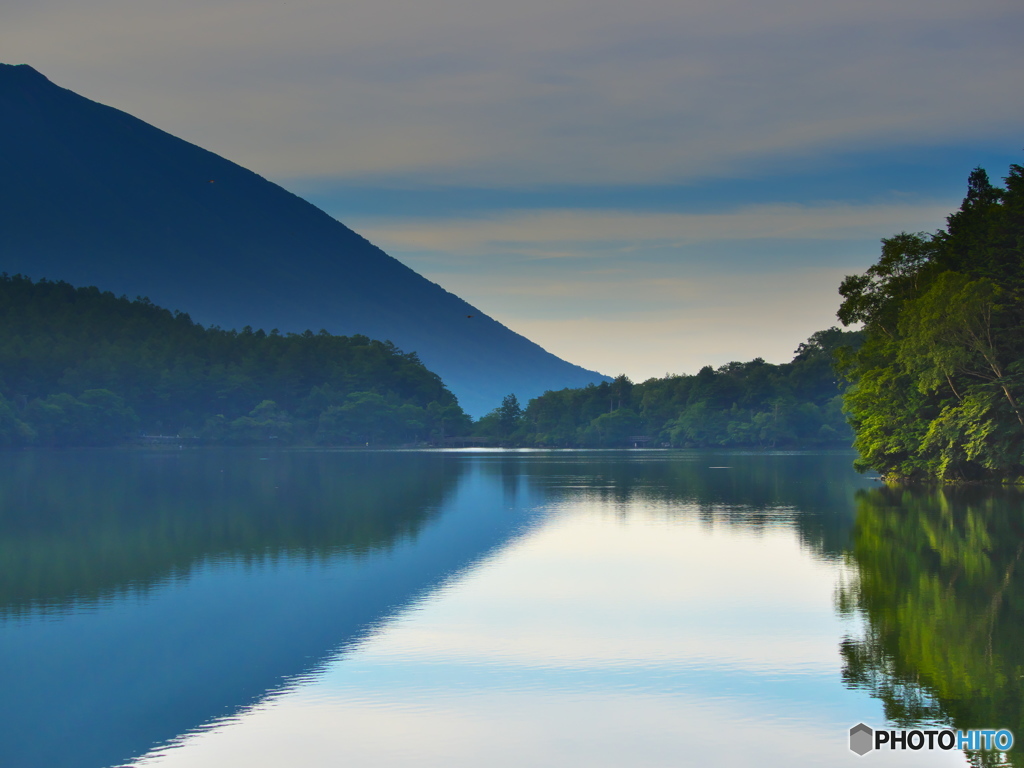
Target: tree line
79,366
738,405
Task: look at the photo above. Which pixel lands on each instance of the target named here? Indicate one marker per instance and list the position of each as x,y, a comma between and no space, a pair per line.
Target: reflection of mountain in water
941,585
147,593
78,526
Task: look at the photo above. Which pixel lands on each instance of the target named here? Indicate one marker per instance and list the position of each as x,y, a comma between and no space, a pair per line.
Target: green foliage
754,404
98,417
936,387
367,418
950,331
611,429
510,414
13,431
138,367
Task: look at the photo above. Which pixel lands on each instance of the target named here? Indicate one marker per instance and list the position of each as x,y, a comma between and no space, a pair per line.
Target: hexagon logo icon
861,739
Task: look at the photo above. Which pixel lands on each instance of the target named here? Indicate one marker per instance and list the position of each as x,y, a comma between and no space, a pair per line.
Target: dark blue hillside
94,196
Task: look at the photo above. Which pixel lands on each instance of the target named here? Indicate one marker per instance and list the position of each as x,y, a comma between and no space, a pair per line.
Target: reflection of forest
147,592
79,525
811,492
940,582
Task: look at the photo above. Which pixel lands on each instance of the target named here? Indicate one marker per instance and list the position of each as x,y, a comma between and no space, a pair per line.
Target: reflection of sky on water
611,635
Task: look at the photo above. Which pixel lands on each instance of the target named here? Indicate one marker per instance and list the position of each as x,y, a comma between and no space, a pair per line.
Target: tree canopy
79,366
752,404
937,386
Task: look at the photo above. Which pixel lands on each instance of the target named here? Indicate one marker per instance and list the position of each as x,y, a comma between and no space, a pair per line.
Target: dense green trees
83,367
753,404
937,386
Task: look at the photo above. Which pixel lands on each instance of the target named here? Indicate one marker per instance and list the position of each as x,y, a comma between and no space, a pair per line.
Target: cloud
647,293
545,233
709,322
556,92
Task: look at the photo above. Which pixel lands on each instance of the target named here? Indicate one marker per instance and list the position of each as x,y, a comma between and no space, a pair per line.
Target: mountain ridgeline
93,196
82,367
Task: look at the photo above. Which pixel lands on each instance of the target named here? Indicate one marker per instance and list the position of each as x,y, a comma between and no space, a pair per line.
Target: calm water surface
640,608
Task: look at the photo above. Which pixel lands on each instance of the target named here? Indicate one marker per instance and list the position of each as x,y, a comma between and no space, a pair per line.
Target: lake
186,608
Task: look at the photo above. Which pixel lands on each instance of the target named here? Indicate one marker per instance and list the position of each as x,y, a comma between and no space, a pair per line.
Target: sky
641,188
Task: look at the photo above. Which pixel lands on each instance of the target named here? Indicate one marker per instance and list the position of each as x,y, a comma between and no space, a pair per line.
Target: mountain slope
94,196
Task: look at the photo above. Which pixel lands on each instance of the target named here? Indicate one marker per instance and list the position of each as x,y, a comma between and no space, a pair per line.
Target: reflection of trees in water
77,526
940,583
80,525
811,493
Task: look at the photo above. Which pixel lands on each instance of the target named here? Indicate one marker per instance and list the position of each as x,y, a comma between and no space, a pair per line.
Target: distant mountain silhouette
94,196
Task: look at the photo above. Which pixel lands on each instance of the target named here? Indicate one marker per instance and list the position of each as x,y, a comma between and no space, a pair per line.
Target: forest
935,390
79,366
750,405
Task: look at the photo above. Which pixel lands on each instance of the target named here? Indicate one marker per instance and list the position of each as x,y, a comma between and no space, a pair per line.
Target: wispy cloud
554,92
649,327
541,233
648,293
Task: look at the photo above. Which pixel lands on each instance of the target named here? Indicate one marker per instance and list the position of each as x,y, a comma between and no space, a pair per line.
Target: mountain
94,196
